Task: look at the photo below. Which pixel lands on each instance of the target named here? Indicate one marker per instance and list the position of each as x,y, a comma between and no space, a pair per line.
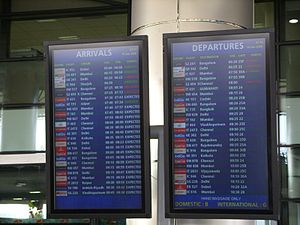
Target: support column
155,17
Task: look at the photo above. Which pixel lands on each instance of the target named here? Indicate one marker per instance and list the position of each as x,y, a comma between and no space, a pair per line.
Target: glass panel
290,213
33,5
22,183
289,68
27,36
264,14
22,129
289,123
291,20
18,211
22,195
290,172
22,82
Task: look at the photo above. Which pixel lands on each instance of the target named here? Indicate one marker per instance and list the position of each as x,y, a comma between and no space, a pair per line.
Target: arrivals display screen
98,128
220,125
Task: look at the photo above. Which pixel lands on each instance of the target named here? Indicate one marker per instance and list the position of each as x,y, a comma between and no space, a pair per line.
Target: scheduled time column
237,101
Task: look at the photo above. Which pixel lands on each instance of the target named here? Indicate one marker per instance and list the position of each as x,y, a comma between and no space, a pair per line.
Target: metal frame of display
273,174
145,211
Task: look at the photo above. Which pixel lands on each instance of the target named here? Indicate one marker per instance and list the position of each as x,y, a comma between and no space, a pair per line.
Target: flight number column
72,124
192,114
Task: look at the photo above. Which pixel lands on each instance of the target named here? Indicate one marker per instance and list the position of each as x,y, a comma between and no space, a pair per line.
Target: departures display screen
218,121
98,123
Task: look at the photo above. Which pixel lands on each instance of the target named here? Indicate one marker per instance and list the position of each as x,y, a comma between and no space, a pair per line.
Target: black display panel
98,128
220,126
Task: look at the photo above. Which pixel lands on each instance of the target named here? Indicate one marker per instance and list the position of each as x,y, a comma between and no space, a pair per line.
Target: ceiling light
17,199
46,21
294,20
20,184
259,25
71,37
34,192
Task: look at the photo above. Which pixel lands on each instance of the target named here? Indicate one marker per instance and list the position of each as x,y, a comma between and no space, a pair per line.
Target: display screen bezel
145,211
270,87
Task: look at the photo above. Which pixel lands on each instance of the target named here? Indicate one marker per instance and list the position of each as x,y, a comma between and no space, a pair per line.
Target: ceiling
32,5
29,34
35,21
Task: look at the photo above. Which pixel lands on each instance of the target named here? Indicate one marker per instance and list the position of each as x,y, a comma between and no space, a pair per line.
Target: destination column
89,109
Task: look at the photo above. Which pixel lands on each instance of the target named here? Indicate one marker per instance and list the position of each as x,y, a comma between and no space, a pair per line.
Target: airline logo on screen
179,131
60,130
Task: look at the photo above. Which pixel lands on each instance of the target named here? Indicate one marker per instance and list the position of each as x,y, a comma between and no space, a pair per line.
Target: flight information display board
98,128
220,125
